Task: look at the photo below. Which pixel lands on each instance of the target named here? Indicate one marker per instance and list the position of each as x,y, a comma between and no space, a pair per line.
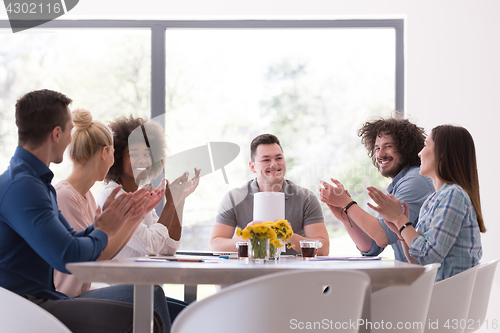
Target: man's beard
392,172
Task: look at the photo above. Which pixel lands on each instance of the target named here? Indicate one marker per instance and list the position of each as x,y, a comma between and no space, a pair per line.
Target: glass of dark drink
242,248
309,248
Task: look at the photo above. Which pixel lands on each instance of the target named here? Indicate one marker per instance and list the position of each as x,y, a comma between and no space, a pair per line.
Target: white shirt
150,237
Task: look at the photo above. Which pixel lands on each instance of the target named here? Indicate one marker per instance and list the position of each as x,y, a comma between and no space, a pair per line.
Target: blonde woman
91,151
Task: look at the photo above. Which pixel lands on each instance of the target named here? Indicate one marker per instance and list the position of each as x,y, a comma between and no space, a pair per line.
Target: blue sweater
35,237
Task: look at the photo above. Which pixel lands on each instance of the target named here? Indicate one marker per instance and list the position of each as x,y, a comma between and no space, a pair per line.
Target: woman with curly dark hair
139,152
393,145
136,131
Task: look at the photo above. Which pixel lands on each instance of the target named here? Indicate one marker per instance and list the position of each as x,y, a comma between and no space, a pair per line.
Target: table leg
190,293
366,312
143,308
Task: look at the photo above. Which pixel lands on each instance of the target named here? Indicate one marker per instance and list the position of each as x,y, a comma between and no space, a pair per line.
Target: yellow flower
259,228
245,234
276,243
274,230
272,233
282,229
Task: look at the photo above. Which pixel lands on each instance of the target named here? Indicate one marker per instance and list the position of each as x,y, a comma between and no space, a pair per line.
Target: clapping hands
335,196
120,210
182,187
389,207
155,196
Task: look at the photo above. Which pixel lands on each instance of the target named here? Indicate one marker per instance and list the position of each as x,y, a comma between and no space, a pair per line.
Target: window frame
158,43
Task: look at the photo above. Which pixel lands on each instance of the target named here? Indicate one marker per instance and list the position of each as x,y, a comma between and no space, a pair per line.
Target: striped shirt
449,232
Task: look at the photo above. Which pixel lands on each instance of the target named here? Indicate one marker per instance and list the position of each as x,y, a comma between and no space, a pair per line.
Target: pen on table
188,260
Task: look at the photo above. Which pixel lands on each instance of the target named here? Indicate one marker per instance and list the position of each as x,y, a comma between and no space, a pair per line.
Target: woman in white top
140,150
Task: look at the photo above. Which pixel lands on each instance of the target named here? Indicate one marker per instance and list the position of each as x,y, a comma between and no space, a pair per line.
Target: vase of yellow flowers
258,250
263,236
283,233
258,235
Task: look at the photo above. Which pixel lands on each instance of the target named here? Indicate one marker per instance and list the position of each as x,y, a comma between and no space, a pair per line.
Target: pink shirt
80,212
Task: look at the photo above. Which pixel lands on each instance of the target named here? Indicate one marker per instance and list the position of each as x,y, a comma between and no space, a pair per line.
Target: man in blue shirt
393,145
35,237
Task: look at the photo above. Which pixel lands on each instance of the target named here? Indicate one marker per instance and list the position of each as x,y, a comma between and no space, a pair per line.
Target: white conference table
144,275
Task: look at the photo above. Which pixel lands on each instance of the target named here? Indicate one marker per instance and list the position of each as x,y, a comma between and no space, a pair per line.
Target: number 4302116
33,8
470,324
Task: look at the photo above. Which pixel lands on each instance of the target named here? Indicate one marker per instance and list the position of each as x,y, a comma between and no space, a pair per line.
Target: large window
311,83
105,71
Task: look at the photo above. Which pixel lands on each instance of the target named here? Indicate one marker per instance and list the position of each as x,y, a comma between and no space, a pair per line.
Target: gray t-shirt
302,207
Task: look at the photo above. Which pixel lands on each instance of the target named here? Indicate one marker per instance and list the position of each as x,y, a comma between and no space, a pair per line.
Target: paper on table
165,258
268,206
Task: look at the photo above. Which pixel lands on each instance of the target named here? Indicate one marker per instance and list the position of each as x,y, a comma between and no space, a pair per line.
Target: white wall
452,66
453,76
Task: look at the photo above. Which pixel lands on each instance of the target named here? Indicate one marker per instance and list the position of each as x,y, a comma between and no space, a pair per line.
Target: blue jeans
125,293
175,306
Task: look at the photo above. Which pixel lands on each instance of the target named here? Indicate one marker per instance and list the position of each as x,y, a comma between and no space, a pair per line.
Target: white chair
404,305
481,295
280,302
19,315
450,303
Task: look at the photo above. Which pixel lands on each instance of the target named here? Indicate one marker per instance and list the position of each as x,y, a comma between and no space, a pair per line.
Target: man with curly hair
393,145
